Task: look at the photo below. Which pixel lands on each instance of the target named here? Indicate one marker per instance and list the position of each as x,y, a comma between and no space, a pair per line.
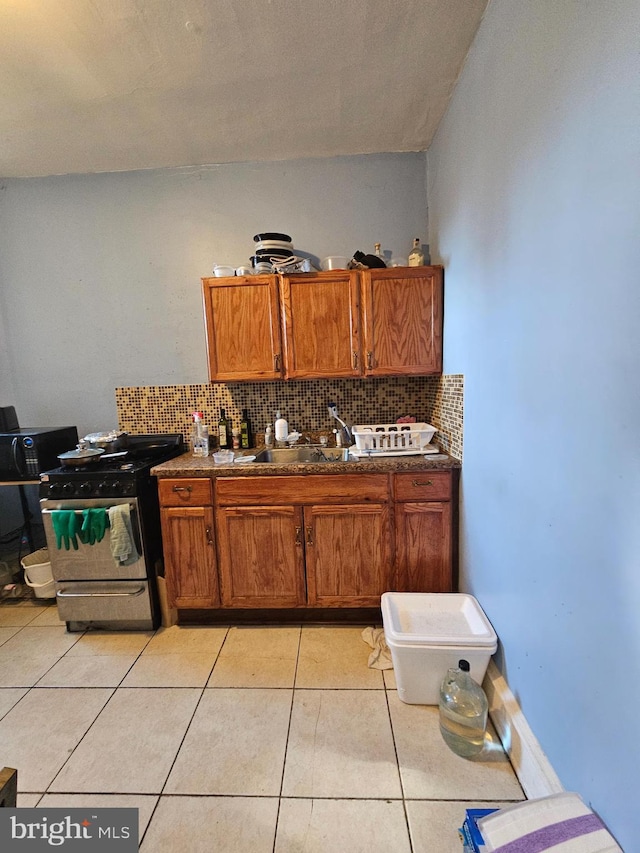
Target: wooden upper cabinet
402,310
343,323
243,329
320,324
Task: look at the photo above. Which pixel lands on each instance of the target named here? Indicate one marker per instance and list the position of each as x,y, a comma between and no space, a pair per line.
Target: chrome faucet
345,430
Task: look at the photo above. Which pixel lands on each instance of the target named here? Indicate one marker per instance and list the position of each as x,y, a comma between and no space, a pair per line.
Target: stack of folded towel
561,823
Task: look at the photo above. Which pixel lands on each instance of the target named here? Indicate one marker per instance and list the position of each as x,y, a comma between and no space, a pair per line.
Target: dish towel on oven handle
123,548
66,527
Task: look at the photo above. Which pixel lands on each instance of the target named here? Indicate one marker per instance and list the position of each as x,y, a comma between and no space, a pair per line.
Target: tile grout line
395,750
286,746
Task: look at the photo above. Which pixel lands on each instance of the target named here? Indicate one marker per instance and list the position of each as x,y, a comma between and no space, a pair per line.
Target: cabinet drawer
310,489
423,486
191,492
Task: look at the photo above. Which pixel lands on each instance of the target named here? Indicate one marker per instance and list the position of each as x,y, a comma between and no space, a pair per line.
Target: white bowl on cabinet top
222,270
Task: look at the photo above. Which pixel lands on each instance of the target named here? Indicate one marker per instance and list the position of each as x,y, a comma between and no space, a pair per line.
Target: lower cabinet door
348,554
423,547
261,556
190,556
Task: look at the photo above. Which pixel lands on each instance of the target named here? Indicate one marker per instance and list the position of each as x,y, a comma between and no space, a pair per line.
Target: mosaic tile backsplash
438,400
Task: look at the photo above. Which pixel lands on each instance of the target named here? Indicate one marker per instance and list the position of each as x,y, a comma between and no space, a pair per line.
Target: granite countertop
188,465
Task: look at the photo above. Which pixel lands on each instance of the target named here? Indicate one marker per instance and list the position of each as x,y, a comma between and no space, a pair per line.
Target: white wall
100,274
534,195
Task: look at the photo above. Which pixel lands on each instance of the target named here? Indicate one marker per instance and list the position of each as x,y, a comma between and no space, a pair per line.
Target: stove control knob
68,488
55,488
116,487
85,488
101,488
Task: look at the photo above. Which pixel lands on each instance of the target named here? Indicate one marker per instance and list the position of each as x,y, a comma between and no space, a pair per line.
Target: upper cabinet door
320,322
402,312
242,326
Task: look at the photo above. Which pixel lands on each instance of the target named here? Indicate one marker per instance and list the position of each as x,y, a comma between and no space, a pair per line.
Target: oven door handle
62,594
46,511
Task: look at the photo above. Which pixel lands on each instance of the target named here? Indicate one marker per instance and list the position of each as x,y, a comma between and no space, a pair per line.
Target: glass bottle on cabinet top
416,256
378,253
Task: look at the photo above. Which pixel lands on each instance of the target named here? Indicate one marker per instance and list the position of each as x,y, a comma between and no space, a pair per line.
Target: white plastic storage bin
37,574
427,633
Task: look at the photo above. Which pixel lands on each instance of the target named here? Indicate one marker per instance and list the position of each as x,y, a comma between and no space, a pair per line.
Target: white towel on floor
123,549
561,823
380,657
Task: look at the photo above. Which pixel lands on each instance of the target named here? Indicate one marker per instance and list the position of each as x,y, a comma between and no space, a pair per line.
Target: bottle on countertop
235,438
416,256
246,432
463,710
223,431
199,436
281,427
268,436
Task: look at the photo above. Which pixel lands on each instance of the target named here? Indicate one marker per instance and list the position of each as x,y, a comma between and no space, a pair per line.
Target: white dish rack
404,439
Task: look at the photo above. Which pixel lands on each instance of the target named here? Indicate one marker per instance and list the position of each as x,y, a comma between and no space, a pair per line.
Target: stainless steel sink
302,454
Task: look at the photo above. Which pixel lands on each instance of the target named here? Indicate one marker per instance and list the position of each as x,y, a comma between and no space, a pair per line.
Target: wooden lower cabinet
423,547
190,556
348,554
293,556
304,541
190,563
307,541
261,556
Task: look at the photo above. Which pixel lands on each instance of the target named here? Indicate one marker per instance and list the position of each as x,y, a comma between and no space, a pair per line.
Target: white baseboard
531,765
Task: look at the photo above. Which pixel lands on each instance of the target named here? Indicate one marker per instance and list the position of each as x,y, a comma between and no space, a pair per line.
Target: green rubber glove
99,523
84,534
60,521
75,527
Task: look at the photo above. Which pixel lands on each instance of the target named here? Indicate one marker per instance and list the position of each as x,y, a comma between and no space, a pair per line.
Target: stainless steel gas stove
102,525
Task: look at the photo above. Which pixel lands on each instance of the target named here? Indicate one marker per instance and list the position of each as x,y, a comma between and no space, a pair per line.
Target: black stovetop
113,473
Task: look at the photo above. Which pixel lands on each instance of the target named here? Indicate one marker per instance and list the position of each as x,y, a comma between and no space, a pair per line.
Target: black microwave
24,453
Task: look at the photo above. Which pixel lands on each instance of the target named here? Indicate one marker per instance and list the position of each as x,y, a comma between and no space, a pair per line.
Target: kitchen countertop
188,465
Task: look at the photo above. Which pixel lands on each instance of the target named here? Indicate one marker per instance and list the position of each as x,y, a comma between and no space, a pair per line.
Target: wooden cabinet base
282,616
320,547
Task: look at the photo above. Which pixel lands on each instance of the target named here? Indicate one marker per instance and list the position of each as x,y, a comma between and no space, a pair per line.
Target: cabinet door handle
208,535
309,535
369,360
276,362
355,360
182,489
420,483
298,536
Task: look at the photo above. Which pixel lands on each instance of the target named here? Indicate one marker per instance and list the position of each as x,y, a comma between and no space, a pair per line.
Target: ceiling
111,85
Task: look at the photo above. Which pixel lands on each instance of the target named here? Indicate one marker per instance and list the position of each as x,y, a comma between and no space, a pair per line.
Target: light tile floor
238,740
